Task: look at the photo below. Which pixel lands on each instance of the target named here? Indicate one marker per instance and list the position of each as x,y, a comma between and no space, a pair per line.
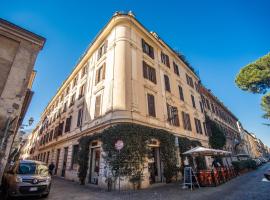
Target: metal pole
119,169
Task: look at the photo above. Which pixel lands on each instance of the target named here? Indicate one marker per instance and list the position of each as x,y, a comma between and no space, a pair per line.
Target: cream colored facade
226,120
123,94
28,148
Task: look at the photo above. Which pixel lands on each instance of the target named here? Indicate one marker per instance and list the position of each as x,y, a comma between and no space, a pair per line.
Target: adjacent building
128,74
18,51
226,120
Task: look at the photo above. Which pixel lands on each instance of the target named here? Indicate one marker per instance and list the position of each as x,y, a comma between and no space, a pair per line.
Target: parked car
263,160
242,157
258,162
27,178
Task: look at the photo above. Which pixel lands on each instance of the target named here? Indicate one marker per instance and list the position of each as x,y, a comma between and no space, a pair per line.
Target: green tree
255,78
217,138
266,105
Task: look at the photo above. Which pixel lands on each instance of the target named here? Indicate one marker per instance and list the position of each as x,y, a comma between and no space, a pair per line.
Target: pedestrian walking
51,168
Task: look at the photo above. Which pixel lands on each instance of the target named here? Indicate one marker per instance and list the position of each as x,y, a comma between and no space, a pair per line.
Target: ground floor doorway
57,160
64,162
154,165
94,165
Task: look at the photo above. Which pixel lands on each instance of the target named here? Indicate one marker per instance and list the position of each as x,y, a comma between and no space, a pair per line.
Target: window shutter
97,106
167,83
193,101
181,93
151,105
167,61
97,77
169,113
80,116
151,52
145,70
188,120
143,45
105,46
103,71
153,72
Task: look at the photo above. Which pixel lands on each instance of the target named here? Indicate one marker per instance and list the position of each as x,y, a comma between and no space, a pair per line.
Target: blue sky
218,37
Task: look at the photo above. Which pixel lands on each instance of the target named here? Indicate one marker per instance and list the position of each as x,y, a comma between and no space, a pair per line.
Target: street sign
119,145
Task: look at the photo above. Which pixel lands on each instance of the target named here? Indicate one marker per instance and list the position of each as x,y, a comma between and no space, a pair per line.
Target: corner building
127,74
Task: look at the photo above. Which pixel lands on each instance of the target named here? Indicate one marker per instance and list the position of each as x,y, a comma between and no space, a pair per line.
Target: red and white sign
119,145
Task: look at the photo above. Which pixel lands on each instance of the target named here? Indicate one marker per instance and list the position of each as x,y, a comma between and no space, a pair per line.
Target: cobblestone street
248,186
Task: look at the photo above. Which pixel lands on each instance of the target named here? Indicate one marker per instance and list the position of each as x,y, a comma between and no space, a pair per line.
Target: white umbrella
206,152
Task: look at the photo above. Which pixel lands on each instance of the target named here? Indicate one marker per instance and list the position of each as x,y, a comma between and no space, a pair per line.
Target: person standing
51,168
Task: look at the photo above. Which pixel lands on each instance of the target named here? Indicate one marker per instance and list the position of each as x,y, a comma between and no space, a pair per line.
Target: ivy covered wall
130,160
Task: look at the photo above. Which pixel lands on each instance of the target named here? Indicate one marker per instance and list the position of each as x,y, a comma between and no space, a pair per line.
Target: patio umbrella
203,151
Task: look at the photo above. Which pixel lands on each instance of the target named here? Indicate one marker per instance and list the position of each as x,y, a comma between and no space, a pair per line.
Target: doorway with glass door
64,162
154,165
94,165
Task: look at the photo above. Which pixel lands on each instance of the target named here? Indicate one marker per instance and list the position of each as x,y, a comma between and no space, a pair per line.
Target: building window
68,124
100,73
197,87
189,81
60,129
103,49
72,100
181,94
51,135
149,72
173,117
62,97
176,69
186,121
55,132
198,126
75,156
97,106
165,59
205,128
193,101
84,71
212,107
58,113
81,93
151,105
80,117
75,81
67,90
201,106
208,105
167,83
65,107
149,50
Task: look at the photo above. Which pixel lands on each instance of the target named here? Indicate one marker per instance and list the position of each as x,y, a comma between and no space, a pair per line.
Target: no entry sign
119,144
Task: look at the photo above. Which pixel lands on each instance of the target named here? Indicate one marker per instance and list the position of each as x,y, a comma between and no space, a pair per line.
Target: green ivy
217,138
129,161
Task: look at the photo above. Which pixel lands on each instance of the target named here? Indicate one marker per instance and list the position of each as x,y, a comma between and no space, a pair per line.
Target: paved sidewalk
250,186
247,187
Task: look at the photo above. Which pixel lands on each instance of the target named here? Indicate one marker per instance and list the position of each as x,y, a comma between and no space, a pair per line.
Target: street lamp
30,122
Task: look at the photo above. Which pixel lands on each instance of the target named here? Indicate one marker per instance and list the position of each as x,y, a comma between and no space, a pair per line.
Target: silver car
27,178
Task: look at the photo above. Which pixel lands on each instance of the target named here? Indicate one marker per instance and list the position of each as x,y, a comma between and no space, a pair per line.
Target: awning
202,151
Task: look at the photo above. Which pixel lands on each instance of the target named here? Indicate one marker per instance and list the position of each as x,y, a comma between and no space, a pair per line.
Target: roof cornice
22,33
